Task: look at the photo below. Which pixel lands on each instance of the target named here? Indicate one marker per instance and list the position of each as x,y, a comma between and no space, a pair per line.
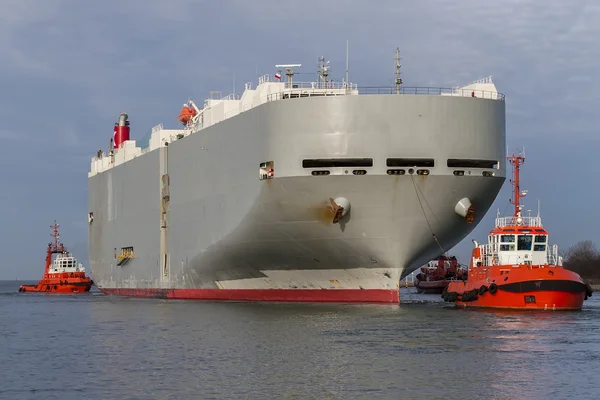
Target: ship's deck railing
309,91
321,85
512,221
433,91
487,79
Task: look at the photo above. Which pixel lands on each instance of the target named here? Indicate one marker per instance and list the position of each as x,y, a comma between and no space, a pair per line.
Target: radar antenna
55,234
517,161
289,72
397,80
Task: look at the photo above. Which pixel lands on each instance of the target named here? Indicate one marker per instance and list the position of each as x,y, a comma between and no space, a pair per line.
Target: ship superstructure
318,191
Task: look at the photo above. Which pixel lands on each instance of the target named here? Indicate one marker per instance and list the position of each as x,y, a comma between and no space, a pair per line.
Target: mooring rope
417,190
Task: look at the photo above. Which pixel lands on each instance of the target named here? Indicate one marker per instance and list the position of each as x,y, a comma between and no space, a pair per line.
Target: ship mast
53,247
397,80
516,161
323,71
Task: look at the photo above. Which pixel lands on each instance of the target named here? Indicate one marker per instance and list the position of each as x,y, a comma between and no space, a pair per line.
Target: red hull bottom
283,295
522,288
538,300
60,283
55,288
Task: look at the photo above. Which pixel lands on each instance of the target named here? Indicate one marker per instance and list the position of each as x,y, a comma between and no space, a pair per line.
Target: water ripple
97,347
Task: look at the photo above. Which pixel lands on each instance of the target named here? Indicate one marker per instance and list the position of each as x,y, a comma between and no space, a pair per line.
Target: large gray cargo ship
319,191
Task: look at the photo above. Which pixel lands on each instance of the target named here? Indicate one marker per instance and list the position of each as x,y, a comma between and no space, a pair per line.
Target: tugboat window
540,238
539,247
524,242
508,238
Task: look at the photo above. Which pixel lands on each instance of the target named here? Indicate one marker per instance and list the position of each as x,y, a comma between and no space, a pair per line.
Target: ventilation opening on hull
359,172
266,170
320,173
337,162
488,173
410,162
396,171
471,163
422,172
459,173
126,255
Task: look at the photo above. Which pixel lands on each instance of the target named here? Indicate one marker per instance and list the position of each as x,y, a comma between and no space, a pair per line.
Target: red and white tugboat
517,268
437,274
63,274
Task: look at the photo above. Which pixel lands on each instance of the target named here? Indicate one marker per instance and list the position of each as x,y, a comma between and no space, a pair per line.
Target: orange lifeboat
517,268
186,114
61,275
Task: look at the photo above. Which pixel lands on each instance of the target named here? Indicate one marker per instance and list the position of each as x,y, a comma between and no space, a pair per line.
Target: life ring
474,294
482,290
451,297
466,296
493,288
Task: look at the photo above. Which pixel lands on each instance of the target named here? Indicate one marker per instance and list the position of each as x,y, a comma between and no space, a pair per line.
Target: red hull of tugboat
60,284
431,287
525,288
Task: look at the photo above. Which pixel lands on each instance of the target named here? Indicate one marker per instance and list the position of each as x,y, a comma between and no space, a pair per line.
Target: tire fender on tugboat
493,288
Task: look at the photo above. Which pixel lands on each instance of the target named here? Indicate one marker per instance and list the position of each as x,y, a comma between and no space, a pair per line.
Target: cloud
10,135
70,67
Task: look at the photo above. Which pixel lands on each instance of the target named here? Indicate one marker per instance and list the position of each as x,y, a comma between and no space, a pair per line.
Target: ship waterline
242,209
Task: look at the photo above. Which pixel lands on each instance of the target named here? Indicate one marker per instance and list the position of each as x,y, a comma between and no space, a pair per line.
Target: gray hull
228,230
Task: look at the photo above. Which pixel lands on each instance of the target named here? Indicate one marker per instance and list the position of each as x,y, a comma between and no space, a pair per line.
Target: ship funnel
121,130
123,119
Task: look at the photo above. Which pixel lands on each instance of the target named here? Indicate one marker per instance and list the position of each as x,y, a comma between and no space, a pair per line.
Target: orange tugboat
63,274
433,278
517,268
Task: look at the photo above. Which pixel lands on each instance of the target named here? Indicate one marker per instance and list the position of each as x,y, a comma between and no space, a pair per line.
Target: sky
70,67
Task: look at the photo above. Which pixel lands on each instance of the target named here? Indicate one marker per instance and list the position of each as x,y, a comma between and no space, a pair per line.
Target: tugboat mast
54,247
516,161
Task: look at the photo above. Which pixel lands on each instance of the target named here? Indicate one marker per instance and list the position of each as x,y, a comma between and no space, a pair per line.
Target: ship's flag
277,76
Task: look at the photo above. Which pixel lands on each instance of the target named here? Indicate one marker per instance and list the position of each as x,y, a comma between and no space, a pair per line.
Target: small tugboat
63,274
517,268
437,274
